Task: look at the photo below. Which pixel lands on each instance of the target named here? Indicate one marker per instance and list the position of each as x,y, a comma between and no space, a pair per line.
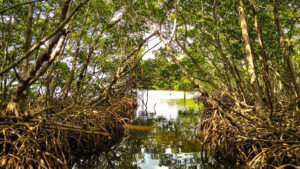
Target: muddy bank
56,139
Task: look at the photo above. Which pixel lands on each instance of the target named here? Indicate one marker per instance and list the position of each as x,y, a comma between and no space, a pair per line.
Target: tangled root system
56,138
249,140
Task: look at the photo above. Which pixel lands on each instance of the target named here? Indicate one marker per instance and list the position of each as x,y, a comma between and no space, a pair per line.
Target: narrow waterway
160,137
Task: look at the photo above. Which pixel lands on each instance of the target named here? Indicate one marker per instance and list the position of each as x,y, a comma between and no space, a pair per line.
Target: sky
151,43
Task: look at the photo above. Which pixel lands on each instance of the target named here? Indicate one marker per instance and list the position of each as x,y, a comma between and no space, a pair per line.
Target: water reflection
163,103
169,142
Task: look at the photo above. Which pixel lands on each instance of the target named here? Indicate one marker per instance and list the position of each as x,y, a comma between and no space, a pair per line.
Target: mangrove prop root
251,141
54,140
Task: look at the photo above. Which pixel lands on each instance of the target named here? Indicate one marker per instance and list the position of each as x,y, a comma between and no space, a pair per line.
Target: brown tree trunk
249,59
285,51
58,31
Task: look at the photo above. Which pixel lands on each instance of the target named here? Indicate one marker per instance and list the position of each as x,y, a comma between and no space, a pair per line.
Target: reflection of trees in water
127,154
170,160
172,142
177,136
150,149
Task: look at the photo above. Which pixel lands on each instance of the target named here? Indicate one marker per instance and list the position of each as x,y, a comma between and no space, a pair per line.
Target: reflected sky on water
161,102
162,135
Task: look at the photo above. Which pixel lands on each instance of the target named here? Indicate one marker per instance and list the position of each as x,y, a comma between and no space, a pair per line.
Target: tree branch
41,42
15,6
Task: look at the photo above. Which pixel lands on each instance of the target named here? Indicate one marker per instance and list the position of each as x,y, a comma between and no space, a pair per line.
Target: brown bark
285,51
249,59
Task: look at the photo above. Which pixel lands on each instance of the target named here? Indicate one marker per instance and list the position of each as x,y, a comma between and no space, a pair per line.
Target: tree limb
15,6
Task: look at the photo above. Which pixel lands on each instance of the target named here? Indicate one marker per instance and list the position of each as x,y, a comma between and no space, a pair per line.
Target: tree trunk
6,34
263,59
67,86
249,59
17,104
28,37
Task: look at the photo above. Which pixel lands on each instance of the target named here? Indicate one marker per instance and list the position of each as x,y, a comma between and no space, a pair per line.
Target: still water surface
162,135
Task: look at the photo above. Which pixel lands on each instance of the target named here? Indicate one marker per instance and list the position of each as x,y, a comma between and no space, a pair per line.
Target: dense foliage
242,55
82,49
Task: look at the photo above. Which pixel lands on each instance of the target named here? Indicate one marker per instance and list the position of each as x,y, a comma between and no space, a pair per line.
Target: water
163,103
171,143
161,136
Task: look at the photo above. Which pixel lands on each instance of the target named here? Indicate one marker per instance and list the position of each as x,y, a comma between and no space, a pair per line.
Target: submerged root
57,139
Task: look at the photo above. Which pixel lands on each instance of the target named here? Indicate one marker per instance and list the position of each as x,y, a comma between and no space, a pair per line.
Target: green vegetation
162,74
188,104
241,55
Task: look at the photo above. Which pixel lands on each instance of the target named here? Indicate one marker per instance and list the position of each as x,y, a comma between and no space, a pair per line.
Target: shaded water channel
161,135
